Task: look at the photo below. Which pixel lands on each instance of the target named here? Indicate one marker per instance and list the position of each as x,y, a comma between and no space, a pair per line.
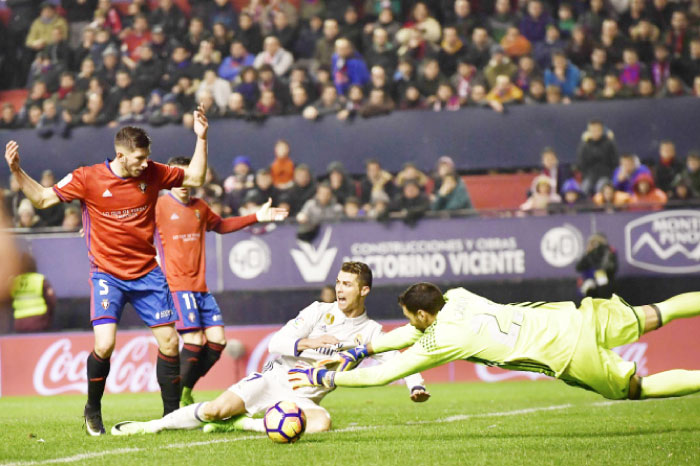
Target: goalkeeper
557,339
316,334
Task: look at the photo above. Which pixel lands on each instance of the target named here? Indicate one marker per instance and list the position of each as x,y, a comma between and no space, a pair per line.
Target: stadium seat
14,96
499,191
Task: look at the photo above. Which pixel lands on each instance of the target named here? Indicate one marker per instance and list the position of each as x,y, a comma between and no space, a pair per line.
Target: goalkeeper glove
348,359
313,377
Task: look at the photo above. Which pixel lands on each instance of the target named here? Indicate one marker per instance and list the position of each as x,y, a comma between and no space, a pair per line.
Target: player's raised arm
41,197
196,172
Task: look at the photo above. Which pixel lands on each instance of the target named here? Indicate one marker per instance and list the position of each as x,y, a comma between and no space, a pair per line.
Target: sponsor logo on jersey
174,216
166,314
298,322
142,187
197,214
665,242
314,264
249,258
329,319
106,193
105,304
561,246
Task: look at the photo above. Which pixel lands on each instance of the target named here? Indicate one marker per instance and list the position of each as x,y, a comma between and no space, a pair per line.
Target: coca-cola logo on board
59,370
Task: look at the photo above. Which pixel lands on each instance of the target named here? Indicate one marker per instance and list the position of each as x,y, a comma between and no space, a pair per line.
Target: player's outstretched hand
419,394
12,155
267,213
313,377
349,359
201,124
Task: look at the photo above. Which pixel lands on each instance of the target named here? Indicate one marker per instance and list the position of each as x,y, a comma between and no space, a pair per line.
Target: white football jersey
324,319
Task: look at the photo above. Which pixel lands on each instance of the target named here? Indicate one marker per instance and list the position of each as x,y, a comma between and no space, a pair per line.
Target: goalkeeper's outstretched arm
399,338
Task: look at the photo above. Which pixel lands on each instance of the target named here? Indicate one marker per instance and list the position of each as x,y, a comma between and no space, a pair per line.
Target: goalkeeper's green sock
677,382
680,306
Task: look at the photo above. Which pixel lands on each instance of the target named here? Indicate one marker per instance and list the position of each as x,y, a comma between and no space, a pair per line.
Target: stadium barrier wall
476,138
53,364
457,250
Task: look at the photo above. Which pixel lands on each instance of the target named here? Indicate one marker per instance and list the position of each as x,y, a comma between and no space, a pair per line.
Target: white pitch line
456,418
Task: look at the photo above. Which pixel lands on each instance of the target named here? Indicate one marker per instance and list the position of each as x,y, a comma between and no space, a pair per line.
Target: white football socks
183,418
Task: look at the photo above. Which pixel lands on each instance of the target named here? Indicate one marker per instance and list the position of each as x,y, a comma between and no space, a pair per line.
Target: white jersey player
316,334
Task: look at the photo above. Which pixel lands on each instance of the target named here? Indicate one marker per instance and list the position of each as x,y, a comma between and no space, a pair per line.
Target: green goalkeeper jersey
538,337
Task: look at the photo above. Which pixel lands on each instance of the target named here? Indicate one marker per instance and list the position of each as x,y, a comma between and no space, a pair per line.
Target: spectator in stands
579,47
596,156
452,49
303,189
72,220
299,100
53,216
645,88
33,117
420,19
282,168
327,104
681,193
598,67
26,216
221,38
479,51
632,69
430,80
446,98
381,52
673,87
239,182
274,55
341,184
690,67
169,113
536,93
592,20
222,12
612,40
542,196
218,88
110,65
677,38
629,169
572,198
613,89
514,44
68,97
499,64
411,203
544,49
505,92
9,118
660,13
51,121
108,18
169,16
464,79
78,14
565,20
563,74
351,28
534,23
644,36
34,299
238,59
136,36
691,173
323,207
502,18
667,167
462,18
310,32
58,49
452,194
551,168
325,46
43,69
646,194
352,209
409,172
379,103
379,80
327,294
94,114
588,90
40,31
376,180
348,67
609,198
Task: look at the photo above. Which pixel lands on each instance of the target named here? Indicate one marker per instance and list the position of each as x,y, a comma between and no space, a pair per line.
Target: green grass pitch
543,422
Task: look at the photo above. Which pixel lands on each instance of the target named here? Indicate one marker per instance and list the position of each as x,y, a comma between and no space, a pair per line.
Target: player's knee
104,349
317,421
168,344
194,338
219,341
216,411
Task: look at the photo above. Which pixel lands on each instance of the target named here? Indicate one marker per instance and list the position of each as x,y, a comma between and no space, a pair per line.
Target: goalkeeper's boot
186,397
232,424
93,422
134,428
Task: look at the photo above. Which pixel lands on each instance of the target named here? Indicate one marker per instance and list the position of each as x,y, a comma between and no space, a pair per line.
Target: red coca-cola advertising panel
51,364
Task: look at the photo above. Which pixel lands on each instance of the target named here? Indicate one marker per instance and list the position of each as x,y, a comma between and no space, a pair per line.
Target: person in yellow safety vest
33,298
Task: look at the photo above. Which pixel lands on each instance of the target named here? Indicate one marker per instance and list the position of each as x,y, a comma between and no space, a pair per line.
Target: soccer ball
285,422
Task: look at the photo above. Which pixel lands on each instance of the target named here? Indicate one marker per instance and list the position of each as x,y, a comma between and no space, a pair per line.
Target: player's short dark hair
132,137
180,161
362,270
424,296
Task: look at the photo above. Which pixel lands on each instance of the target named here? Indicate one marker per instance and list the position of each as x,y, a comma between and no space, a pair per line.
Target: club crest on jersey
142,187
105,304
329,318
191,316
358,339
197,214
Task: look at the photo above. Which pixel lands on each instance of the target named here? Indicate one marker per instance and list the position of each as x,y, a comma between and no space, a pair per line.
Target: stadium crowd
94,62
602,179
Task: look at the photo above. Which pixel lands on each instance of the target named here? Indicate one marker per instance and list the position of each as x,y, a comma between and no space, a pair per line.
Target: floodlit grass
543,422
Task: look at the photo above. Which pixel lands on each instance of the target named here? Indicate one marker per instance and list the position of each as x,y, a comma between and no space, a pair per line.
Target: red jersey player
181,222
118,199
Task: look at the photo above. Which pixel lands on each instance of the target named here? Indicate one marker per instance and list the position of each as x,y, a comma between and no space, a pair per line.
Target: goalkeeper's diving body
557,339
316,334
